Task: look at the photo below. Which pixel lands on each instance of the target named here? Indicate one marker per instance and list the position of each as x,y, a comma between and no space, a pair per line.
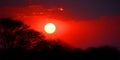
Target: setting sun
50,28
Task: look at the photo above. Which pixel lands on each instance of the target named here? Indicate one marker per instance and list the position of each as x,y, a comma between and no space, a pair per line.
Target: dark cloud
75,8
86,8
13,3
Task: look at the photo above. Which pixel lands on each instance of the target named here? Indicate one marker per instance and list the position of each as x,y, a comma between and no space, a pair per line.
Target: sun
50,28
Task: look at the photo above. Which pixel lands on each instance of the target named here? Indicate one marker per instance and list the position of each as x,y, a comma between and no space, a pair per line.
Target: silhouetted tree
14,33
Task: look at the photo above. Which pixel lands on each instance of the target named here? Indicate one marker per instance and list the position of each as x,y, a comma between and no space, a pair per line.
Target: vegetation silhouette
18,42
14,33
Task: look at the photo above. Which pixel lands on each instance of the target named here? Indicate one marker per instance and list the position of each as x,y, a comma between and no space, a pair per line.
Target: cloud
75,8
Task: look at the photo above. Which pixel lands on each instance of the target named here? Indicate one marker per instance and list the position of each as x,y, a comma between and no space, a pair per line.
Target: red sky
80,33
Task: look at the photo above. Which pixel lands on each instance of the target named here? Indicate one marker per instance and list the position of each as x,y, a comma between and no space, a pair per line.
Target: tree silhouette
14,33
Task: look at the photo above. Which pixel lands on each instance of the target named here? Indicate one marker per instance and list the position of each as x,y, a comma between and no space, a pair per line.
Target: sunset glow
71,22
60,29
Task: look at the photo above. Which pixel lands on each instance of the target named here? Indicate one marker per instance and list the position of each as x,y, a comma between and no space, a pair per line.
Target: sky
81,23
77,8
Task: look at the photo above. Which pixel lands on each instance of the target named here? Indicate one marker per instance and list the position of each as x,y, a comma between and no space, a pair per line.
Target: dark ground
103,53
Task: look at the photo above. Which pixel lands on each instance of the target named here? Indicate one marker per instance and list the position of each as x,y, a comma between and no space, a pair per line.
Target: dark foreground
103,53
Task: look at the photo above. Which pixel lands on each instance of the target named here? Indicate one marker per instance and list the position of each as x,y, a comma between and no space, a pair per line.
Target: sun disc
50,28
